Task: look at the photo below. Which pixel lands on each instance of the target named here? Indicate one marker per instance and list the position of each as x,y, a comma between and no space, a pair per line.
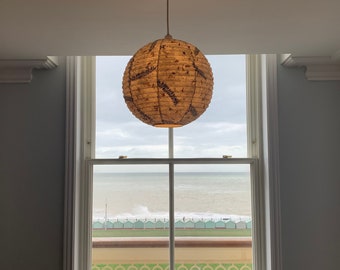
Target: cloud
136,139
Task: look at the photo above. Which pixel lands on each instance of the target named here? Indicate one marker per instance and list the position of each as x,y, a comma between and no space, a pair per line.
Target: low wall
154,250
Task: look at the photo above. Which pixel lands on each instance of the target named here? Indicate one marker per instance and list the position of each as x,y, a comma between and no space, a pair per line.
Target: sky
221,130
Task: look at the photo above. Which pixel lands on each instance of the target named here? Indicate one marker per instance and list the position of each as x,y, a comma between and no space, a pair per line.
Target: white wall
309,126
32,139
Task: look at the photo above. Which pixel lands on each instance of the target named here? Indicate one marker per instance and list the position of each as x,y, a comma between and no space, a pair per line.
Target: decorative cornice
20,71
319,68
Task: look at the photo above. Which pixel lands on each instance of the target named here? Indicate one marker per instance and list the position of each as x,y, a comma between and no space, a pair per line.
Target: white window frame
262,156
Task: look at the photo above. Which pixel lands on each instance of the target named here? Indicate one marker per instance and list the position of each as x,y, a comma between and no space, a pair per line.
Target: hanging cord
167,18
167,21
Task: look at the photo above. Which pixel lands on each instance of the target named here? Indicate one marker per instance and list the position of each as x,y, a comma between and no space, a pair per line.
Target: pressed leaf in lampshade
168,83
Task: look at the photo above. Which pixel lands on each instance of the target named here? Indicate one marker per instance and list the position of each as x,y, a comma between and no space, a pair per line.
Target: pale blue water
197,195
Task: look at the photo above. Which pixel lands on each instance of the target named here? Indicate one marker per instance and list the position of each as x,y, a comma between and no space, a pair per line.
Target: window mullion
171,142
171,216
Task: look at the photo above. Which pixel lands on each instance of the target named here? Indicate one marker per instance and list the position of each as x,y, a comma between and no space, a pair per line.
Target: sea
198,196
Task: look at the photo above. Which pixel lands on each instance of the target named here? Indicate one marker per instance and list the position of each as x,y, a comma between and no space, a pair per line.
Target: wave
143,213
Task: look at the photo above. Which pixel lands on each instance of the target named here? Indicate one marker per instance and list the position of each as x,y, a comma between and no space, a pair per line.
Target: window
211,198
179,180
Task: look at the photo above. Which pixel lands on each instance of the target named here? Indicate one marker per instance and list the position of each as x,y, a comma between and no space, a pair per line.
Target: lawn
178,232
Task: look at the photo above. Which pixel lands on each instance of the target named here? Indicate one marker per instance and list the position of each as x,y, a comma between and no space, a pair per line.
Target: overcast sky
221,130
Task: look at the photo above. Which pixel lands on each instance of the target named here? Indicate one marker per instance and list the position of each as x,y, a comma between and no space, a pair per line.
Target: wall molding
271,154
264,143
20,71
80,82
318,68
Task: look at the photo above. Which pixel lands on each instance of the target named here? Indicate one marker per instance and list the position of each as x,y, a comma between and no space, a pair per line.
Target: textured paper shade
168,83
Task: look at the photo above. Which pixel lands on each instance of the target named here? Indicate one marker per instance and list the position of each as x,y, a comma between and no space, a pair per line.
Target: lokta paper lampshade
168,83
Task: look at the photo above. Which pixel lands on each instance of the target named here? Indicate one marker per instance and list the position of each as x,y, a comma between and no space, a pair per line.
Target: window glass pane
130,214
213,192
130,192
213,214
118,132
221,130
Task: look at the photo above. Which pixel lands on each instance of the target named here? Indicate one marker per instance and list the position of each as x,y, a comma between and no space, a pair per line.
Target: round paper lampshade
168,83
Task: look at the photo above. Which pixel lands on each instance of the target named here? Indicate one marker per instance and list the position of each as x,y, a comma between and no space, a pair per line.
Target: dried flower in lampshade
168,83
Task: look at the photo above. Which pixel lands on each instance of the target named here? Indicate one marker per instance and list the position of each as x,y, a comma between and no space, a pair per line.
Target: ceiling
37,28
